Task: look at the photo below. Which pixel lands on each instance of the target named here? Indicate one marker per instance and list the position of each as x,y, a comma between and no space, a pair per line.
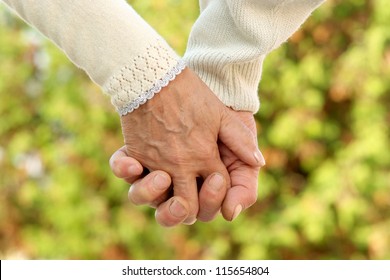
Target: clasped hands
202,156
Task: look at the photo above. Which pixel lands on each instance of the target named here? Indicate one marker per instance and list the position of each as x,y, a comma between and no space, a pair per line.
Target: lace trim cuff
143,76
149,94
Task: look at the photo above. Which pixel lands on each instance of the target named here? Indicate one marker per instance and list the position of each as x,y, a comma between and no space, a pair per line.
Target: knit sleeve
110,41
231,38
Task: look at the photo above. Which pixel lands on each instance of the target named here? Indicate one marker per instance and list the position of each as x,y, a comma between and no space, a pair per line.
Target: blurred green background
323,127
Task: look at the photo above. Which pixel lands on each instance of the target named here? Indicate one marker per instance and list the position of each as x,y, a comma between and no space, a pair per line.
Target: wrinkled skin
216,193
178,132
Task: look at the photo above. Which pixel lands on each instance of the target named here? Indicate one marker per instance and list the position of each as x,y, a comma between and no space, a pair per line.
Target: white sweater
131,62
231,39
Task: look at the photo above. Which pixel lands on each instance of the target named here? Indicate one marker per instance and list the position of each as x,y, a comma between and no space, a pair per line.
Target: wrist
143,77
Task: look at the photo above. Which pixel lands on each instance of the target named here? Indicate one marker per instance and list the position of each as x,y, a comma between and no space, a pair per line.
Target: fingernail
216,182
259,158
190,221
177,209
160,182
134,170
237,212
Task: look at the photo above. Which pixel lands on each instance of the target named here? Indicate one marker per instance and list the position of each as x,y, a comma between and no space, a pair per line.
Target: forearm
231,38
110,41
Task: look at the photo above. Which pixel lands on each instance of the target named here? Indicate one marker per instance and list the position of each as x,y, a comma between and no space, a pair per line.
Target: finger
238,138
125,167
211,196
151,190
172,212
242,194
213,190
186,188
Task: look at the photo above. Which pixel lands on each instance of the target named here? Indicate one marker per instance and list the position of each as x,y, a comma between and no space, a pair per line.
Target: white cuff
144,77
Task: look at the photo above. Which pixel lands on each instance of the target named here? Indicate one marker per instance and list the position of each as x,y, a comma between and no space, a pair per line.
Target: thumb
240,140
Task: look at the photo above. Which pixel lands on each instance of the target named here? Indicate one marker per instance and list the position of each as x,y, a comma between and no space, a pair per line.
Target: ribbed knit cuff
235,84
143,77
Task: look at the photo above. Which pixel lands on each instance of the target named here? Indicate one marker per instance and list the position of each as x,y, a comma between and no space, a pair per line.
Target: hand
153,189
177,132
244,177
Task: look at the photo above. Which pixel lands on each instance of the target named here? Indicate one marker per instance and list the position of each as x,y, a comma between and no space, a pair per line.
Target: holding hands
202,157
185,135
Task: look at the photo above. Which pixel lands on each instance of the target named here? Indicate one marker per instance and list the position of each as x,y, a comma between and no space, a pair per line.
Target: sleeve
110,41
231,38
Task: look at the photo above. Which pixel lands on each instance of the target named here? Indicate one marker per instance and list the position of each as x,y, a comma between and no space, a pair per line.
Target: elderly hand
153,189
177,132
243,177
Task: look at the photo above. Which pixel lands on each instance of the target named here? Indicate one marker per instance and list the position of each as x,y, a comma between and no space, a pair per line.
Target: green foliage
323,127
